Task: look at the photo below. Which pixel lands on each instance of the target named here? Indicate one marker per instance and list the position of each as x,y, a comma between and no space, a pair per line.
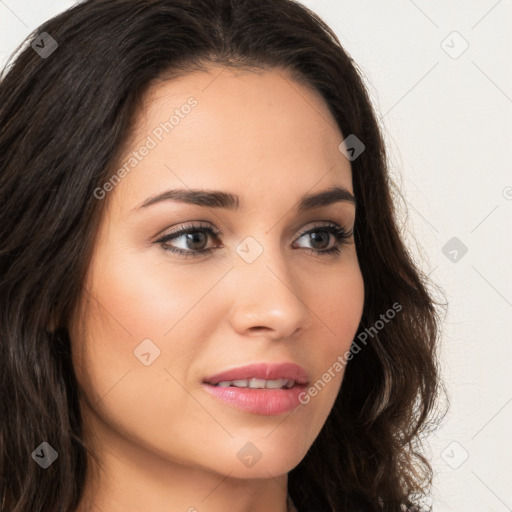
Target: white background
447,121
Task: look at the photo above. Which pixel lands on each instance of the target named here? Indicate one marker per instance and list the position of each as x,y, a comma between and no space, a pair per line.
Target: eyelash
341,235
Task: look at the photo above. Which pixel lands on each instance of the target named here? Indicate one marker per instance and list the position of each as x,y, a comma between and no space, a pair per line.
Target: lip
260,401
265,402
267,371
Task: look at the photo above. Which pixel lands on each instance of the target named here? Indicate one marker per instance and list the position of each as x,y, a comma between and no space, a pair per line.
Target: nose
268,298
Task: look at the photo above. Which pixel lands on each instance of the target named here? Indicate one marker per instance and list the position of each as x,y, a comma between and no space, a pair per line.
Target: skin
164,444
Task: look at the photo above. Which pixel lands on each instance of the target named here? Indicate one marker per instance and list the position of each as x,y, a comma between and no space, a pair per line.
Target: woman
206,301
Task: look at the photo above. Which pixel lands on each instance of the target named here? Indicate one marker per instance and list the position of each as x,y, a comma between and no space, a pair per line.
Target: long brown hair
64,118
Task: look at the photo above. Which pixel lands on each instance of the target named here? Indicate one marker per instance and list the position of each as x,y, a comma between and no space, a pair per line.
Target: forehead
225,128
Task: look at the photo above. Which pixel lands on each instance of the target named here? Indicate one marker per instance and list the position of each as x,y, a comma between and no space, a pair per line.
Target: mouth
261,376
255,383
265,389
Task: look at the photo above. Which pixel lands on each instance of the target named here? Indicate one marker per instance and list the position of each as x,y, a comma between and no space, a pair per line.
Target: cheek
159,315
130,313
140,297
336,302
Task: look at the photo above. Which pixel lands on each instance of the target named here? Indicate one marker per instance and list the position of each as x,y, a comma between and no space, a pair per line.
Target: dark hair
63,122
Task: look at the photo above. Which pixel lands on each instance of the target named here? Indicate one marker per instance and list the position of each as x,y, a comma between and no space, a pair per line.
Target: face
264,282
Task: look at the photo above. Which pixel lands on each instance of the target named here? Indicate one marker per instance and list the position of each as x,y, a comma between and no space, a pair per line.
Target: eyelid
322,224
190,226
208,226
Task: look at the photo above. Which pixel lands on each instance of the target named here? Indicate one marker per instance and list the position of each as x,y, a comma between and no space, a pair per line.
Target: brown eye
193,240
320,236
320,242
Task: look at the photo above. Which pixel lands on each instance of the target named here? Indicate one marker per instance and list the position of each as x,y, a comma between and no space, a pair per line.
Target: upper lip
267,371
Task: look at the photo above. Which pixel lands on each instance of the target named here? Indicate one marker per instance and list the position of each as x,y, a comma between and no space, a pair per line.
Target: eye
195,239
322,235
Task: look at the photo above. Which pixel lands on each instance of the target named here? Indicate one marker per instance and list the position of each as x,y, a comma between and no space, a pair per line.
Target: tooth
257,383
242,383
276,383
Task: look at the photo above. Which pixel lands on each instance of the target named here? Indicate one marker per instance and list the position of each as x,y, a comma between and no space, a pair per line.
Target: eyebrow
228,201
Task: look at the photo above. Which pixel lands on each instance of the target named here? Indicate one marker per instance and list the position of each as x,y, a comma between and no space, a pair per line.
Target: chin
259,459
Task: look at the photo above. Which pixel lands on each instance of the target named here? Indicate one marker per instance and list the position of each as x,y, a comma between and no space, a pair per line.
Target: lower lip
258,401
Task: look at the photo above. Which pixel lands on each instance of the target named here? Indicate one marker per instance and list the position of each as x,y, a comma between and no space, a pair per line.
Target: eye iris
196,237
319,236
